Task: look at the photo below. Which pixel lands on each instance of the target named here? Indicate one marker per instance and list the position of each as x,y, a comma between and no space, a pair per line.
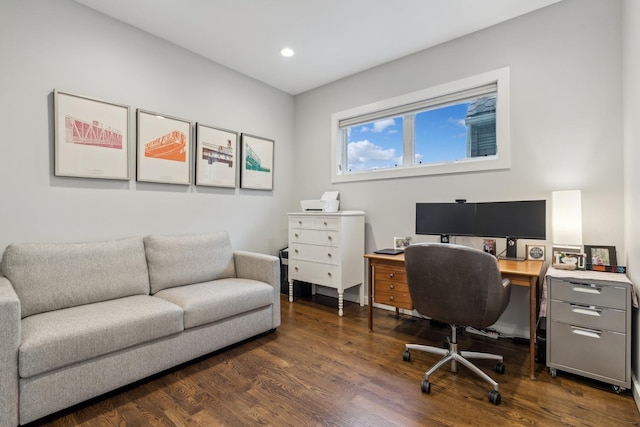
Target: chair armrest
9,345
264,268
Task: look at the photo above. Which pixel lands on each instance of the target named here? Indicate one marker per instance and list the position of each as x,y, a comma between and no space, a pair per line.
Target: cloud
365,151
457,122
379,126
383,124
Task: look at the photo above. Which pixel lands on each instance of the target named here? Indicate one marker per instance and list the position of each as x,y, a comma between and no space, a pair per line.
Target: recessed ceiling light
286,52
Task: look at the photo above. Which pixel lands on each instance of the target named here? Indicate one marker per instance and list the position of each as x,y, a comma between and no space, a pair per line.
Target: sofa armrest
9,345
265,268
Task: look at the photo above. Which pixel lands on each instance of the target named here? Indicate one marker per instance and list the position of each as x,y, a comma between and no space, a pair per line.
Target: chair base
454,356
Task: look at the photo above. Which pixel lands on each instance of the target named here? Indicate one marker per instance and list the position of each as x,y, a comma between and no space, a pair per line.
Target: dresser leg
290,290
340,303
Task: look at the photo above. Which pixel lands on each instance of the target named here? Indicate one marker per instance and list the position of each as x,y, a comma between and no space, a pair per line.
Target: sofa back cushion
188,259
49,277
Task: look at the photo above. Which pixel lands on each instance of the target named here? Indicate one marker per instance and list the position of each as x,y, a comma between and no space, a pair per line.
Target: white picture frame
164,148
91,137
216,156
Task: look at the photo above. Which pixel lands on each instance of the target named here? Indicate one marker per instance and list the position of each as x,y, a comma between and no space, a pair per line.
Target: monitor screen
456,219
521,220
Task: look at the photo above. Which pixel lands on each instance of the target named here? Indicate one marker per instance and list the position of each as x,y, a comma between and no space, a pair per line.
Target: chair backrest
456,284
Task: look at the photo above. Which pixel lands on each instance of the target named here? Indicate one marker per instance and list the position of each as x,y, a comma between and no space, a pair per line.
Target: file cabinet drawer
587,293
592,352
589,316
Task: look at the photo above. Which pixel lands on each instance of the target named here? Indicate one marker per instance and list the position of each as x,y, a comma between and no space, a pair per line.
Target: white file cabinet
589,325
327,249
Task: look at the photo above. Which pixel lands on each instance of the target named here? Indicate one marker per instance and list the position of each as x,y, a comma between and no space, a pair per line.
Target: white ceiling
332,38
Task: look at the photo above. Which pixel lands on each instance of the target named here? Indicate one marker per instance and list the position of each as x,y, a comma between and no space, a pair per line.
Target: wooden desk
521,273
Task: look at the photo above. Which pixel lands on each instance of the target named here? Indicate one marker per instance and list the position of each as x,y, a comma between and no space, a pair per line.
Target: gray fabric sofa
79,320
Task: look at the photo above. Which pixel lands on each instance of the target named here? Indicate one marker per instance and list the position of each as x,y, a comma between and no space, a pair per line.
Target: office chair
460,286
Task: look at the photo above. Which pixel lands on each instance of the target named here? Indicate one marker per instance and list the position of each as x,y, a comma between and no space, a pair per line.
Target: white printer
328,203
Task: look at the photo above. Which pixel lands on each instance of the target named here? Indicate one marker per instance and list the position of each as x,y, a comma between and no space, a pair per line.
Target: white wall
63,45
566,127
631,71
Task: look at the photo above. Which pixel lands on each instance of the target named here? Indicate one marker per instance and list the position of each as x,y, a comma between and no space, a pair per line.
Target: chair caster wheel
494,397
499,368
406,356
617,389
425,386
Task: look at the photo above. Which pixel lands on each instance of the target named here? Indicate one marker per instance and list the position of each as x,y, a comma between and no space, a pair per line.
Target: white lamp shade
566,217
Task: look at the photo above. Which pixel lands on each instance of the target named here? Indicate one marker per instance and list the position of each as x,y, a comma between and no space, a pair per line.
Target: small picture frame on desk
564,260
535,252
399,243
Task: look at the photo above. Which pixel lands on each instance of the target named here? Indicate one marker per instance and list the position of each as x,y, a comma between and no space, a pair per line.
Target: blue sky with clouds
440,135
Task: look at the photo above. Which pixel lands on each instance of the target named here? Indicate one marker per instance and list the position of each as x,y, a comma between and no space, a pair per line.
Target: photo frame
601,255
91,137
399,243
216,156
535,252
256,170
489,246
164,148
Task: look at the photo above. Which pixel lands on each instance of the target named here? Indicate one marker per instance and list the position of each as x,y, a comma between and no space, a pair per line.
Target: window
461,126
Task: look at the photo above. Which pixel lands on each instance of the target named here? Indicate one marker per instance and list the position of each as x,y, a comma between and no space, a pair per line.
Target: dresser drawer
313,272
322,254
587,293
314,222
589,316
590,351
314,237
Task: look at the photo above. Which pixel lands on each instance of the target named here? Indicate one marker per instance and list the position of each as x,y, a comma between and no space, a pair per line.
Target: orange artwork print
171,146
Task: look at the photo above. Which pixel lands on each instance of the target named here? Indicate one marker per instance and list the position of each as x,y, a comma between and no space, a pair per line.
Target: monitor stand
512,250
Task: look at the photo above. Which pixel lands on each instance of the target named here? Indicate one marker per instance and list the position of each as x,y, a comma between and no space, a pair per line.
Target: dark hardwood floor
319,369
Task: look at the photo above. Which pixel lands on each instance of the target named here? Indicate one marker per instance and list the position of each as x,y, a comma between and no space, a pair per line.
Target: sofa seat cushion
218,299
59,338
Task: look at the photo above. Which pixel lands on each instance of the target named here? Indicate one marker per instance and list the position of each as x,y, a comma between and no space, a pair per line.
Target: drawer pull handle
296,268
329,274
391,275
325,223
585,332
392,286
329,237
587,289
589,311
300,222
391,298
296,234
297,251
329,255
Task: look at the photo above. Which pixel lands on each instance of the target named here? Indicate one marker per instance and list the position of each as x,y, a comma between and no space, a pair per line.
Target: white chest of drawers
327,249
589,325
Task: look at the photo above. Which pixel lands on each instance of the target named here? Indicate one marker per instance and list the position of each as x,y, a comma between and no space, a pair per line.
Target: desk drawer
589,316
395,298
587,293
592,351
390,274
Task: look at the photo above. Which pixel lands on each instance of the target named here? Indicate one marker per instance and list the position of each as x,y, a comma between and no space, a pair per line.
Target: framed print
164,148
216,156
256,171
401,242
601,255
535,252
91,137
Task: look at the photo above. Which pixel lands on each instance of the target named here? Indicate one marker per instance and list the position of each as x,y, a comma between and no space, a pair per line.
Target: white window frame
500,161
